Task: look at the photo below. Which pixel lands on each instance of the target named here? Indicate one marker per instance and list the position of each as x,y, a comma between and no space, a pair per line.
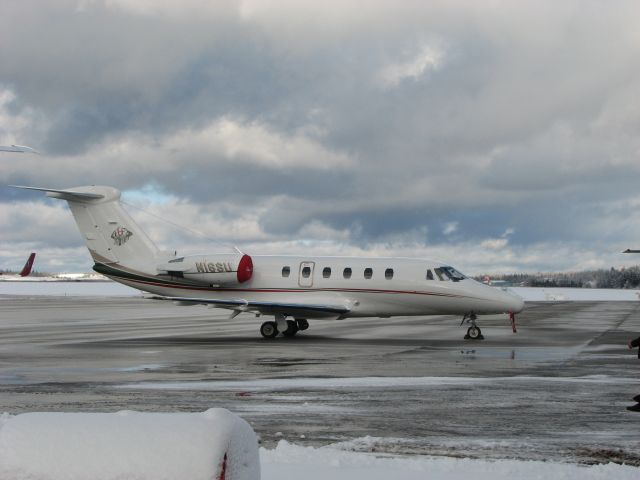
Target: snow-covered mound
211,445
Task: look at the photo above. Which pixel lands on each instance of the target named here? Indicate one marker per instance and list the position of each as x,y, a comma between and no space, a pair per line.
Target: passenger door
305,274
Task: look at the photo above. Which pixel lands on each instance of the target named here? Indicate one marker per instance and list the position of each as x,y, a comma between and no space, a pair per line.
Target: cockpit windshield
452,273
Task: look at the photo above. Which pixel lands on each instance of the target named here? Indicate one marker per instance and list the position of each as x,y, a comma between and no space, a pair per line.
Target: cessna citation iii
293,289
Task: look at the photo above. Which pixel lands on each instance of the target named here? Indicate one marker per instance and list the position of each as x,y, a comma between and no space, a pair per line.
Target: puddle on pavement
537,354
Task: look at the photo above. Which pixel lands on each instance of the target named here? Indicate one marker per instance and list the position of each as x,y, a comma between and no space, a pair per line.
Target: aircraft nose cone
516,303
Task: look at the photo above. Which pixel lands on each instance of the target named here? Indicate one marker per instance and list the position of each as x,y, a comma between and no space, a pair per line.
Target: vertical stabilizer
109,232
26,270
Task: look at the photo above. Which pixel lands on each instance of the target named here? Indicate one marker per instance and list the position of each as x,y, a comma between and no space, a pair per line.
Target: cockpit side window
429,275
452,274
440,274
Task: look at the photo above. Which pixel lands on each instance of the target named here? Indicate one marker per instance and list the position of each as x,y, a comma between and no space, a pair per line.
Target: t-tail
111,235
26,270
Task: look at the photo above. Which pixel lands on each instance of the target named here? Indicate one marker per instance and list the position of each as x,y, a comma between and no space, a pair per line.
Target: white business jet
293,289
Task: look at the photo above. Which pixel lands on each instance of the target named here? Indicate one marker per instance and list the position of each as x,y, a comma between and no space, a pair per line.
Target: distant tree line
33,273
612,278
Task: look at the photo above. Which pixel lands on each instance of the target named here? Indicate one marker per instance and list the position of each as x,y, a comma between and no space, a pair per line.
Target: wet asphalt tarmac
555,390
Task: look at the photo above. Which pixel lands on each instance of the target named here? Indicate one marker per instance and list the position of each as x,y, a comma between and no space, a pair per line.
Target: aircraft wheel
302,323
474,333
292,329
269,330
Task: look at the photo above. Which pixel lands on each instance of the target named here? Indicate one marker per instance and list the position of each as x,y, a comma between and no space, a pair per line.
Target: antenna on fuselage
180,227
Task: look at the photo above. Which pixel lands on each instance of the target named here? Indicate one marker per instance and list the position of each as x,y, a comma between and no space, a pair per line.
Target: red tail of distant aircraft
26,270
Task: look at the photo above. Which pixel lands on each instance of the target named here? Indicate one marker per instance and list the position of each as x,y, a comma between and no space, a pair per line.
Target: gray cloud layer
351,129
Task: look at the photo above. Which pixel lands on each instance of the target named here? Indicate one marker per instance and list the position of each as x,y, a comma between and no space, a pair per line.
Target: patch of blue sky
149,193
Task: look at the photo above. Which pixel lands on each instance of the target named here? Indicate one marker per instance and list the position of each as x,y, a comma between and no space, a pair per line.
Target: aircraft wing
302,310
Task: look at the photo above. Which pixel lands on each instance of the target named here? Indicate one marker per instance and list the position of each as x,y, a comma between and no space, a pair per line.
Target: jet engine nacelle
221,269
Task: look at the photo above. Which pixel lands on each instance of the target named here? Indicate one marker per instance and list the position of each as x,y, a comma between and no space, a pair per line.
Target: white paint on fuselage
409,292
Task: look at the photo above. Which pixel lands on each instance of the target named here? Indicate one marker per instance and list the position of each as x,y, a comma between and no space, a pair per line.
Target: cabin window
368,273
306,272
439,273
176,274
429,275
286,271
177,260
346,273
388,273
326,272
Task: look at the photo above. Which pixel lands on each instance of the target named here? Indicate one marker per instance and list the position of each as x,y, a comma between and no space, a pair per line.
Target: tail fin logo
120,236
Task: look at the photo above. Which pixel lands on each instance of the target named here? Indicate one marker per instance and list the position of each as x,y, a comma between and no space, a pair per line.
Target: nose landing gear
473,332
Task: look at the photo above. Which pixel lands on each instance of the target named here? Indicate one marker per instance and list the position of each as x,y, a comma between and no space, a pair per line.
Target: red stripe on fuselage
299,290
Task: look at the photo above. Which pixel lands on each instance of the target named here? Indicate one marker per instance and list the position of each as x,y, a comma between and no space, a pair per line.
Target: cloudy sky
498,136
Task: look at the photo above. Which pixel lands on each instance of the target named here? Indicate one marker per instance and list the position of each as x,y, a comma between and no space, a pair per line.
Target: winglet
26,270
63,194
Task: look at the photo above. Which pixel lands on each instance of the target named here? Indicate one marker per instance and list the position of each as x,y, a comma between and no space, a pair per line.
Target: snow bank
131,445
536,294
292,462
71,289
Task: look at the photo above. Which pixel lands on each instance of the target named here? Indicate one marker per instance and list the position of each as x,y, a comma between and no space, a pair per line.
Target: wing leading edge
268,308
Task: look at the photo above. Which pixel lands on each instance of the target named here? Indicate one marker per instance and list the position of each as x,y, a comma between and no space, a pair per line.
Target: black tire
474,333
302,323
292,329
269,330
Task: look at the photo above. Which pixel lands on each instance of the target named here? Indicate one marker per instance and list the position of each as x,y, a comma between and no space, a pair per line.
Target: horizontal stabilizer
64,194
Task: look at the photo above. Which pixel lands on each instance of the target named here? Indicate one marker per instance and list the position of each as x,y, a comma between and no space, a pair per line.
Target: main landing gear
288,328
473,332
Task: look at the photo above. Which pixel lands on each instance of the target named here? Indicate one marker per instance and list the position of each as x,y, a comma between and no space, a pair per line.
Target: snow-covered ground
292,462
70,288
162,446
535,294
